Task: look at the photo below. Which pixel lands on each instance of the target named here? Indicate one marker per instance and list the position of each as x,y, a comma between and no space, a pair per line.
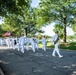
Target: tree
12,6
25,22
59,11
19,17
74,25
12,24
1,31
28,18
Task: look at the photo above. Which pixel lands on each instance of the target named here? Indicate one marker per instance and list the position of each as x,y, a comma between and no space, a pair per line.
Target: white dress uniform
12,42
8,42
0,41
18,43
56,49
36,43
27,42
22,41
33,44
44,43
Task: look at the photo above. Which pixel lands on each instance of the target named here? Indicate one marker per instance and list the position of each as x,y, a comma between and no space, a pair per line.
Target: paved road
39,63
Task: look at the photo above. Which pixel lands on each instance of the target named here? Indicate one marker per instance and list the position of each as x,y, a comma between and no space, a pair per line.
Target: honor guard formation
22,43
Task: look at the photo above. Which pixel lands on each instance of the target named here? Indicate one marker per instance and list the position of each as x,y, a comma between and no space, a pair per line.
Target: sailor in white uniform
36,42
22,41
56,43
44,43
8,42
12,42
33,44
18,43
27,41
0,41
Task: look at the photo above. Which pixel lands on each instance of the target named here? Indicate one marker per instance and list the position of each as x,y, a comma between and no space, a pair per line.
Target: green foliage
60,28
66,46
69,46
70,37
61,12
13,10
74,27
11,24
1,31
12,6
19,15
29,21
56,10
25,22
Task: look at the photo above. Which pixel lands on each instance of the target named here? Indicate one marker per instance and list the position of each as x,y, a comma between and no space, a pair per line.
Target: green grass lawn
70,45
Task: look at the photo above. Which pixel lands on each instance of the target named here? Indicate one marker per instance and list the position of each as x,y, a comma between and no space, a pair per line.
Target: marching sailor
56,43
44,43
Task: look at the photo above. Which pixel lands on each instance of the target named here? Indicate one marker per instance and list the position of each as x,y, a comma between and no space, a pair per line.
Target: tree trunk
65,29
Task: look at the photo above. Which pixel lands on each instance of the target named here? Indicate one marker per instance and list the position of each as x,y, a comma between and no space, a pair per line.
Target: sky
49,30
1,21
35,3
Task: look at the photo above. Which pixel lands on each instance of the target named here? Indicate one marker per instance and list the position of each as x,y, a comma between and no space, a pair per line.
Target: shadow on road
40,62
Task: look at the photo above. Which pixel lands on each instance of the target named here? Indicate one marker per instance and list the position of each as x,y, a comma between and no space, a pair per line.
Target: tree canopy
61,12
12,6
21,21
19,15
